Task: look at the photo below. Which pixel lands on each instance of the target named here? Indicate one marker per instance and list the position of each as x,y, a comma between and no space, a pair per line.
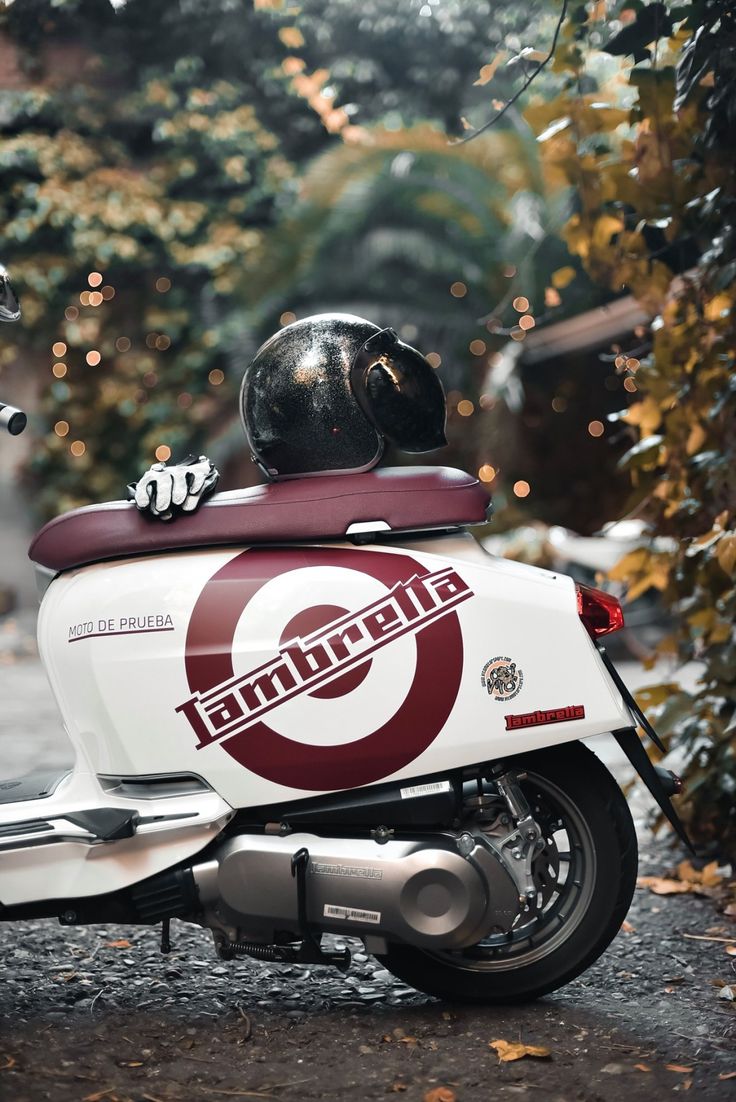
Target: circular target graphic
394,743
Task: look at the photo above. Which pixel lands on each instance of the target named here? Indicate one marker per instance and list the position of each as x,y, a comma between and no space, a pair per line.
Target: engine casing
421,892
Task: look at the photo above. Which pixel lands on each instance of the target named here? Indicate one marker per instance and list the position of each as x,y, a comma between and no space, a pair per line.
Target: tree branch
499,114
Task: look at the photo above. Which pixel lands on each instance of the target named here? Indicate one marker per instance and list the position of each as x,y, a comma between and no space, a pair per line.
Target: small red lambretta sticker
543,716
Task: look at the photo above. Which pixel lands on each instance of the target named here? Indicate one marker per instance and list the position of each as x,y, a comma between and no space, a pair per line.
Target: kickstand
165,935
310,951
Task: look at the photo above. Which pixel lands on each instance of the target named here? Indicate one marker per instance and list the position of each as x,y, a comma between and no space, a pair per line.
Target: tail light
600,612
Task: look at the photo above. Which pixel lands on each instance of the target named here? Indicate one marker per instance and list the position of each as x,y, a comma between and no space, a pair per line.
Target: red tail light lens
600,612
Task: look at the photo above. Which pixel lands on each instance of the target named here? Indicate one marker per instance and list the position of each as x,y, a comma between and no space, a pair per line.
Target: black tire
571,778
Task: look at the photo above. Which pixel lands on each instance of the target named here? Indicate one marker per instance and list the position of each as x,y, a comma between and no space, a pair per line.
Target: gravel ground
100,1015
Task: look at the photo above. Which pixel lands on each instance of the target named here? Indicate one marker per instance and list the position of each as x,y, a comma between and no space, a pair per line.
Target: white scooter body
196,683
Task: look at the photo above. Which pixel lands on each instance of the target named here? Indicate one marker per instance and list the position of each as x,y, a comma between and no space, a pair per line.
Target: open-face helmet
323,394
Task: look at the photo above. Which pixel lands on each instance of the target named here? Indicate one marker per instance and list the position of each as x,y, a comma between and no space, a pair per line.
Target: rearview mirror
9,305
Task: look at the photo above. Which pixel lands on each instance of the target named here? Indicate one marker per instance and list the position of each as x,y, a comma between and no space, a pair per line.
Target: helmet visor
400,393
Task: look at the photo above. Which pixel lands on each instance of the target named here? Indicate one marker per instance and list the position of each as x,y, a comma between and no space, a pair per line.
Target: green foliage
655,191
160,141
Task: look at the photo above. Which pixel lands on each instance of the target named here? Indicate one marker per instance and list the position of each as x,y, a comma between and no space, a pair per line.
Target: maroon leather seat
329,507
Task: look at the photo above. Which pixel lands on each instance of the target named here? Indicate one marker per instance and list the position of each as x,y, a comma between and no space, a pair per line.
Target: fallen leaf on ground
627,927
661,885
121,943
731,950
727,1075
727,992
680,1068
642,1067
9,1062
98,1096
397,1087
508,1050
440,1094
707,876
730,910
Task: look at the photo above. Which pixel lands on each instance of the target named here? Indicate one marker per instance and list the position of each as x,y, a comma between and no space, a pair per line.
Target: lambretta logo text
543,716
302,665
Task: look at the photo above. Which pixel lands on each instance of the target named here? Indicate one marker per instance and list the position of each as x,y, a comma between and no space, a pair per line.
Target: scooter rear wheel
587,877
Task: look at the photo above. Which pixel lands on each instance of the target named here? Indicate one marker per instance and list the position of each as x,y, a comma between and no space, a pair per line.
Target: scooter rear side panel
279,672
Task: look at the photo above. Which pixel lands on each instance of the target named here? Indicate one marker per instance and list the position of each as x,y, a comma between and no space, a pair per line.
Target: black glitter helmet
322,395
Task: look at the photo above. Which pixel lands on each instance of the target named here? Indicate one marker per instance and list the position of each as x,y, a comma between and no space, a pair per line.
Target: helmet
322,395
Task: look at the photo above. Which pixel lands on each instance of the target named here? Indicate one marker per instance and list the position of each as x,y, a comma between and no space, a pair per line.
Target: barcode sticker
425,789
351,913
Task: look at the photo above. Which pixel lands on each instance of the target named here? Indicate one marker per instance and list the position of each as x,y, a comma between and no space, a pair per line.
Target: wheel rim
565,873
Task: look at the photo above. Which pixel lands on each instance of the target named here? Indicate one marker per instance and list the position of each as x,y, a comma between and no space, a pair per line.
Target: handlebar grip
12,419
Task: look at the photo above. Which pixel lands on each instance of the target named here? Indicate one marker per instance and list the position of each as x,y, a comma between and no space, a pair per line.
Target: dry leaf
707,876
397,1087
679,1068
727,1075
642,1067
9,1063
508,1050
121,943
731,950
98,1096
487,72
627,927
661,885
730,910
440,1094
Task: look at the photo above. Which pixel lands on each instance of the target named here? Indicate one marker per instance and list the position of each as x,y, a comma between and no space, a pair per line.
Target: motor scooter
320,707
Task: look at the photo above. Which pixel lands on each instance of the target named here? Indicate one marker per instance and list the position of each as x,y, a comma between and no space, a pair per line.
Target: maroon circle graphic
311,619
412,728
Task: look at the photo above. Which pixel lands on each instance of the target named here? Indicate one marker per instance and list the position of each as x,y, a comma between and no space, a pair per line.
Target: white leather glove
165,491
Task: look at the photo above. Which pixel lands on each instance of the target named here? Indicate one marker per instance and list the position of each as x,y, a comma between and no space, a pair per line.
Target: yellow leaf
487,72
696,439
562,277
718,307
726,553
604,229
508,1050
440,1094
646,415
291,37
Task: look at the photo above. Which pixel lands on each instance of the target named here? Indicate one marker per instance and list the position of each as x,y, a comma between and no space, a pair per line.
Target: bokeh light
77,448
163,453
163,284
478,347
216,377
486,473
520,304
94,279
58,348
61,428
433,359
287,318
465,408
596,428
630,385
59,370
458,289
527,322
93,357
522,488
71,313
559,404
122,344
